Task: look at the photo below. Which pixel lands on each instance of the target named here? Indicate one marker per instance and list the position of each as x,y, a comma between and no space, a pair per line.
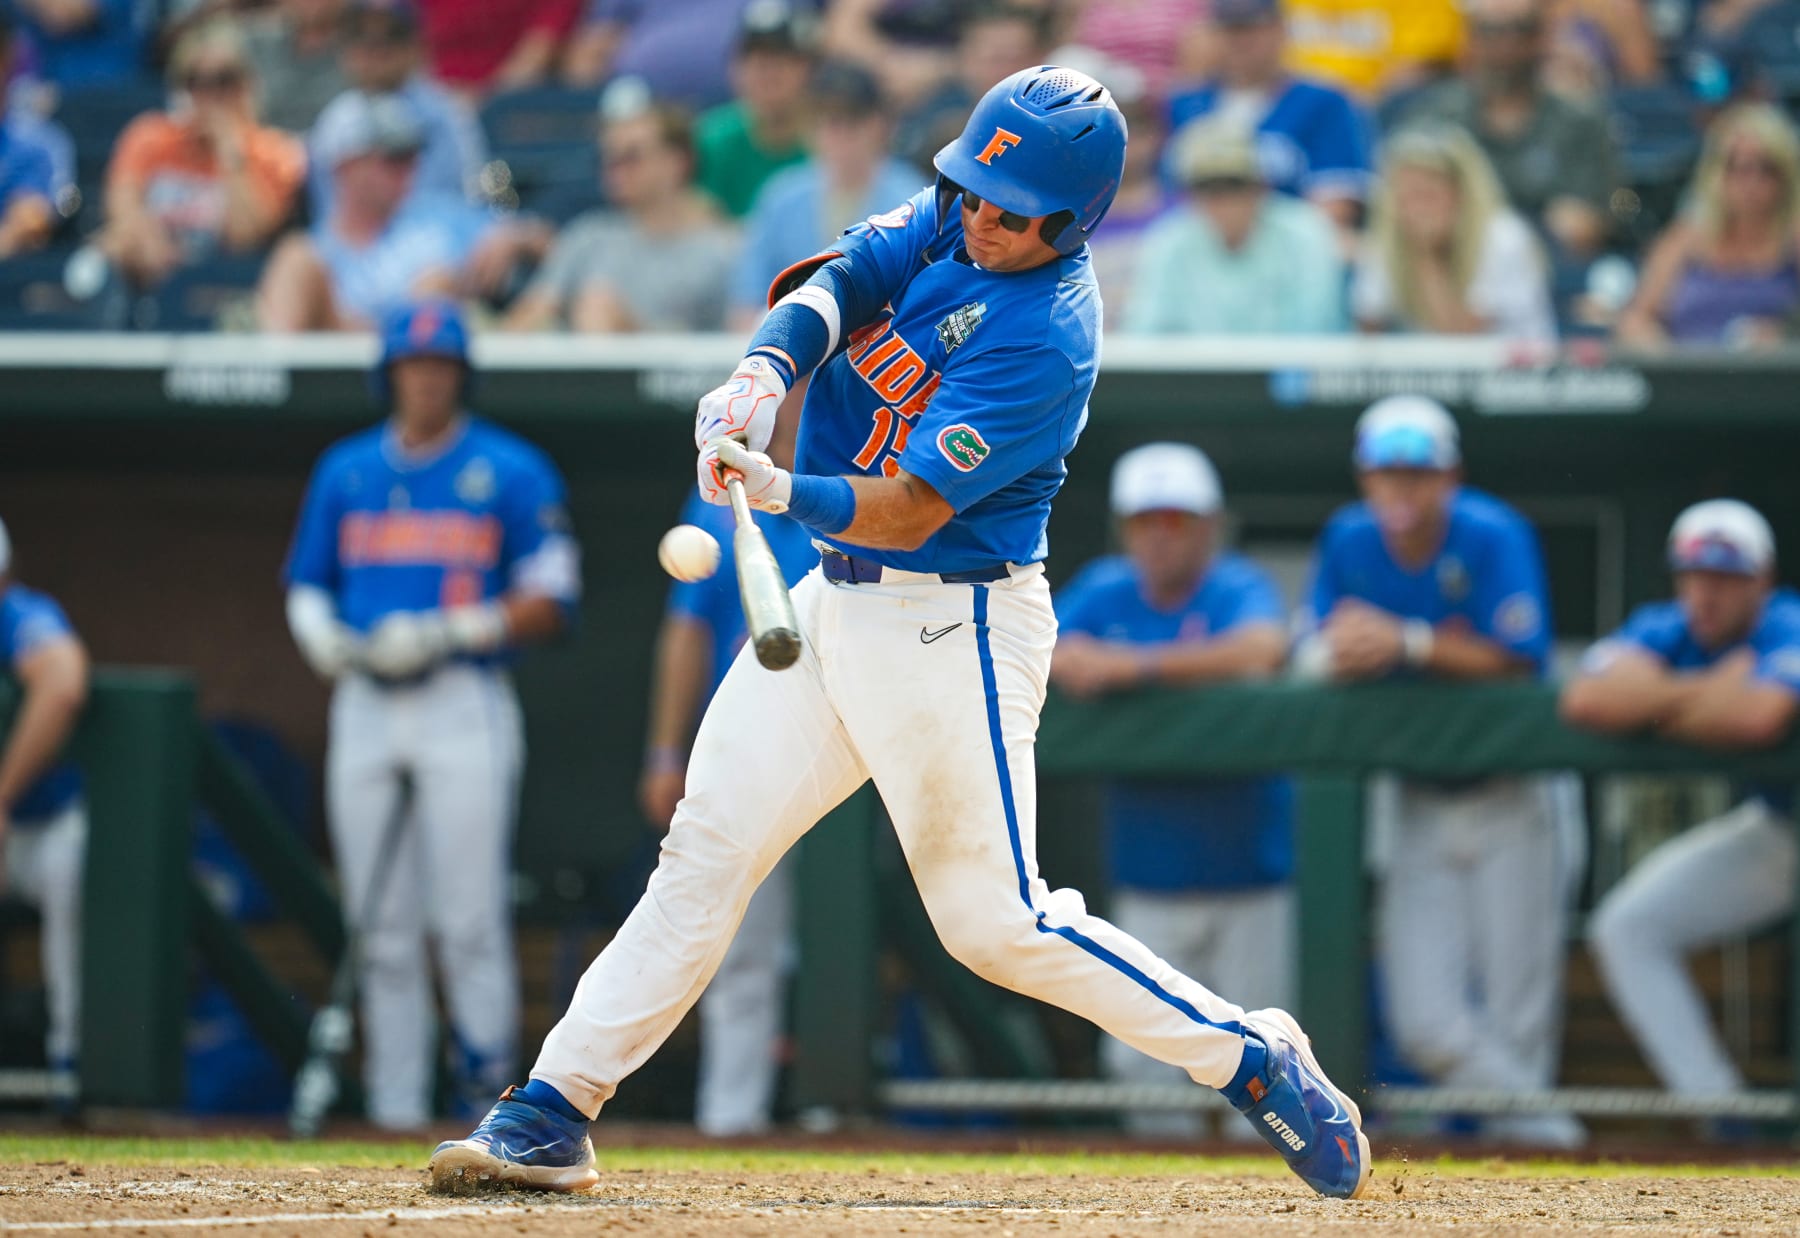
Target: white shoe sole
464,1168
1285,1024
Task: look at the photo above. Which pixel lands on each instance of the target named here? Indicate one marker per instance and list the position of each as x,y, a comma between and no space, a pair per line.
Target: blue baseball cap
1721,535
1407,432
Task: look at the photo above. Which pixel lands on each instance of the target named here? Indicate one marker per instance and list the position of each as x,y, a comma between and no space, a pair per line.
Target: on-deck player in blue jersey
43,817
741,1012
952,344
1200,868
1429,577
428,548
1718,666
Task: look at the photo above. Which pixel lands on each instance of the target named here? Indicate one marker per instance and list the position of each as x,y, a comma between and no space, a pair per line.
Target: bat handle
740,506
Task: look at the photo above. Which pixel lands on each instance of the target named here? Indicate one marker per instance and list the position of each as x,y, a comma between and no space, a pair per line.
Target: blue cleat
516,1145
1315,1127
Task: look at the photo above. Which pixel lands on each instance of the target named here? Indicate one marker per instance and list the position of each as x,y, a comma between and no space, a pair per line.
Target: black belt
843,569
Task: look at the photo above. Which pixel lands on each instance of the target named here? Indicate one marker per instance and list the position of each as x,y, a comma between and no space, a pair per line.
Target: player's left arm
52,670
1741,702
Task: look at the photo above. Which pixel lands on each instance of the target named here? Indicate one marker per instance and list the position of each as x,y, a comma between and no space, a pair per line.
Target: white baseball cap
357,123
1721,535
1165,477
5,549
1407,432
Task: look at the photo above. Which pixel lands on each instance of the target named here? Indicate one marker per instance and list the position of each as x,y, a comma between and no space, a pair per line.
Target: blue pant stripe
989,685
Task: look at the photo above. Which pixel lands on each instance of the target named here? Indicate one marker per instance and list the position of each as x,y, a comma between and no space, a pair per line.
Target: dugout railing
149,762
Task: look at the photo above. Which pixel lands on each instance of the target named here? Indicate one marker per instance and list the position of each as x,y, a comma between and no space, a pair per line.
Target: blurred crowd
1526,168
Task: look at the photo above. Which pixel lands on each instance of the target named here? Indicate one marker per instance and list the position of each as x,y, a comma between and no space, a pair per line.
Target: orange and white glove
744,407
766,486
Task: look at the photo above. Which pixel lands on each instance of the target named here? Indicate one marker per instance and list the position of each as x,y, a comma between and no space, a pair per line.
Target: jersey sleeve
1646,631
312,559
539,553
1510,602
872,261
31,625
1778,661
1002,415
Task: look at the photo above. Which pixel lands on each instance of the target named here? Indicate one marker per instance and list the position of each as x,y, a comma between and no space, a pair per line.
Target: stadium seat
192,298
545,139
94,118
33,298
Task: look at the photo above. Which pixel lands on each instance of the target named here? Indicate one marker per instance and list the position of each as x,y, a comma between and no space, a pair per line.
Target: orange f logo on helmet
997,145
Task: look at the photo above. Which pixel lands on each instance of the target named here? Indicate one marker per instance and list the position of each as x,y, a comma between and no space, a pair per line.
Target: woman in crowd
1445,254
203,176
1726,272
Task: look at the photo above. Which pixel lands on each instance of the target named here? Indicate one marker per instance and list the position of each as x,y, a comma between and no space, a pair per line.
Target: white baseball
688,552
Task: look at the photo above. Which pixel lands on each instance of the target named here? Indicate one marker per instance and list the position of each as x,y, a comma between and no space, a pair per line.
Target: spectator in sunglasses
659,257
1239,259
203,177
382,56
1728,271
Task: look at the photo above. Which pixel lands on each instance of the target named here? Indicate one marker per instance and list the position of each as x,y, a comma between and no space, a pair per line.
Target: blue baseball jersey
1309,138
383,530
1187,834
1661,629
29,620
714,601
1488,575
974,381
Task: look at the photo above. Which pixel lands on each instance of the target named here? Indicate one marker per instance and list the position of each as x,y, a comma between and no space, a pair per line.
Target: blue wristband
827,504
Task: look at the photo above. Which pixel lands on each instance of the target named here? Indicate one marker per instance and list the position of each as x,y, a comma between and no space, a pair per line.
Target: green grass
260,1153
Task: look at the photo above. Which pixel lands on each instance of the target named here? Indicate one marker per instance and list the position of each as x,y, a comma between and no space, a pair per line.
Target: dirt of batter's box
57,1198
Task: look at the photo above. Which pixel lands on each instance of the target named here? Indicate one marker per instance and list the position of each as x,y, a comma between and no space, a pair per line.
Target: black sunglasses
1008,220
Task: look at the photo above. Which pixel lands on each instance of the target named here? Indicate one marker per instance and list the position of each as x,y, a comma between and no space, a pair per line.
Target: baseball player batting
428,548
955,340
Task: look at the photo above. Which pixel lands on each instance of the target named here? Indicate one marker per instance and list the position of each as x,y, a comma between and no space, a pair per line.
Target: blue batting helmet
1047,141
433,327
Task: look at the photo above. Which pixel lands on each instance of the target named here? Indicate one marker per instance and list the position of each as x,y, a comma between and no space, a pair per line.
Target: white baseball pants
742,1014
44,866
1471,915
1235,941
1727,878
944,724
459,733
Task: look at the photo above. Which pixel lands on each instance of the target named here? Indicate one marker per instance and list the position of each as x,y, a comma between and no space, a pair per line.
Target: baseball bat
768,610
328,1038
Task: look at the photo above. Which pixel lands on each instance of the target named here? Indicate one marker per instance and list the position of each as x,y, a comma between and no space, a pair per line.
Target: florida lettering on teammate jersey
1488,574
383,531
975,381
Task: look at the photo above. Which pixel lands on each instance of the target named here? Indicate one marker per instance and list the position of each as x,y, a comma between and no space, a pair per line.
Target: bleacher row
544,162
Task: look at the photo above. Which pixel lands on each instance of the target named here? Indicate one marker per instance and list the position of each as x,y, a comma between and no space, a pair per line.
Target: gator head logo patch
959,325
962,447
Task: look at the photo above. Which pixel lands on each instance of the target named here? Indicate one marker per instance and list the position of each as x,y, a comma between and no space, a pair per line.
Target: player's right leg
1727,877
1171,924
770,759
362,790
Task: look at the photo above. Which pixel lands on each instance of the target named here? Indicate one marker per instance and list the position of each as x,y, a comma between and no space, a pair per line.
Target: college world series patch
962,446
959,325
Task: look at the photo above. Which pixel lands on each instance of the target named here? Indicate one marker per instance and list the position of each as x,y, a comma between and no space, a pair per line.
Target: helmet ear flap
1054,226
